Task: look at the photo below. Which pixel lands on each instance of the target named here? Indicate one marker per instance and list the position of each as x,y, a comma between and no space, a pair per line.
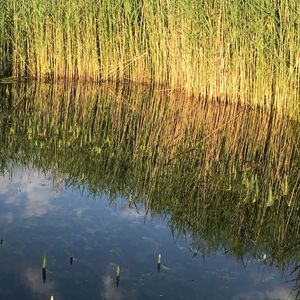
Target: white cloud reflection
33,279
30,190
8,217
278,293
130,213
4,184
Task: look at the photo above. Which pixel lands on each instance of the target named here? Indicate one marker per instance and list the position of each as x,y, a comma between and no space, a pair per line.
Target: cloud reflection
278,292
30,190
33,279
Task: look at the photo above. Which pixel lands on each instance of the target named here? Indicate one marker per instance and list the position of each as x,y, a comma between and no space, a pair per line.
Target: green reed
246,51
44,261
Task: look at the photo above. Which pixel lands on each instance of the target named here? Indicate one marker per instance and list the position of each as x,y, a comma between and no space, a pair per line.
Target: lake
134,192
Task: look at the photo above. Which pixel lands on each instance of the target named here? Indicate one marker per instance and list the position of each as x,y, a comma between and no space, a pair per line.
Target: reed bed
246,51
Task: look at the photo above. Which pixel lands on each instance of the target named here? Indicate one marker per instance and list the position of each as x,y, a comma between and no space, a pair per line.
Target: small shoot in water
44,261
1,240
158,262
118,275
72,258
44,267
159,258
52,298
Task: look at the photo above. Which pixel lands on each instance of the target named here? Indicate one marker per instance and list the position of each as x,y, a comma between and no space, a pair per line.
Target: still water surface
113,177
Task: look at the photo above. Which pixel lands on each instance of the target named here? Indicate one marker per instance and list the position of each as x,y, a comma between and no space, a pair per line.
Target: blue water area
42,215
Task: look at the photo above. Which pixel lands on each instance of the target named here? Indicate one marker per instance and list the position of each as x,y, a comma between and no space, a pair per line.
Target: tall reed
246,51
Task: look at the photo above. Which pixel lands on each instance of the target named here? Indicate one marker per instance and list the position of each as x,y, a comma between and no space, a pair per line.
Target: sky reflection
35,218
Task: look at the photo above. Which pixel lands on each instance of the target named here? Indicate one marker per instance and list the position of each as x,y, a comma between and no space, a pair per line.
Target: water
114,176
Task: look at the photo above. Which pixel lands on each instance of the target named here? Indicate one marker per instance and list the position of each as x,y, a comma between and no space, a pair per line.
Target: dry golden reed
246,51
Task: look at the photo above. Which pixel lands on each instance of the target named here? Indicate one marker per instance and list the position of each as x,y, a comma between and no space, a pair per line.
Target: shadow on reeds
226,175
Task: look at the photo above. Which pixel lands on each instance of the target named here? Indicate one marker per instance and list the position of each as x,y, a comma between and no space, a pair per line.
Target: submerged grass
247,51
